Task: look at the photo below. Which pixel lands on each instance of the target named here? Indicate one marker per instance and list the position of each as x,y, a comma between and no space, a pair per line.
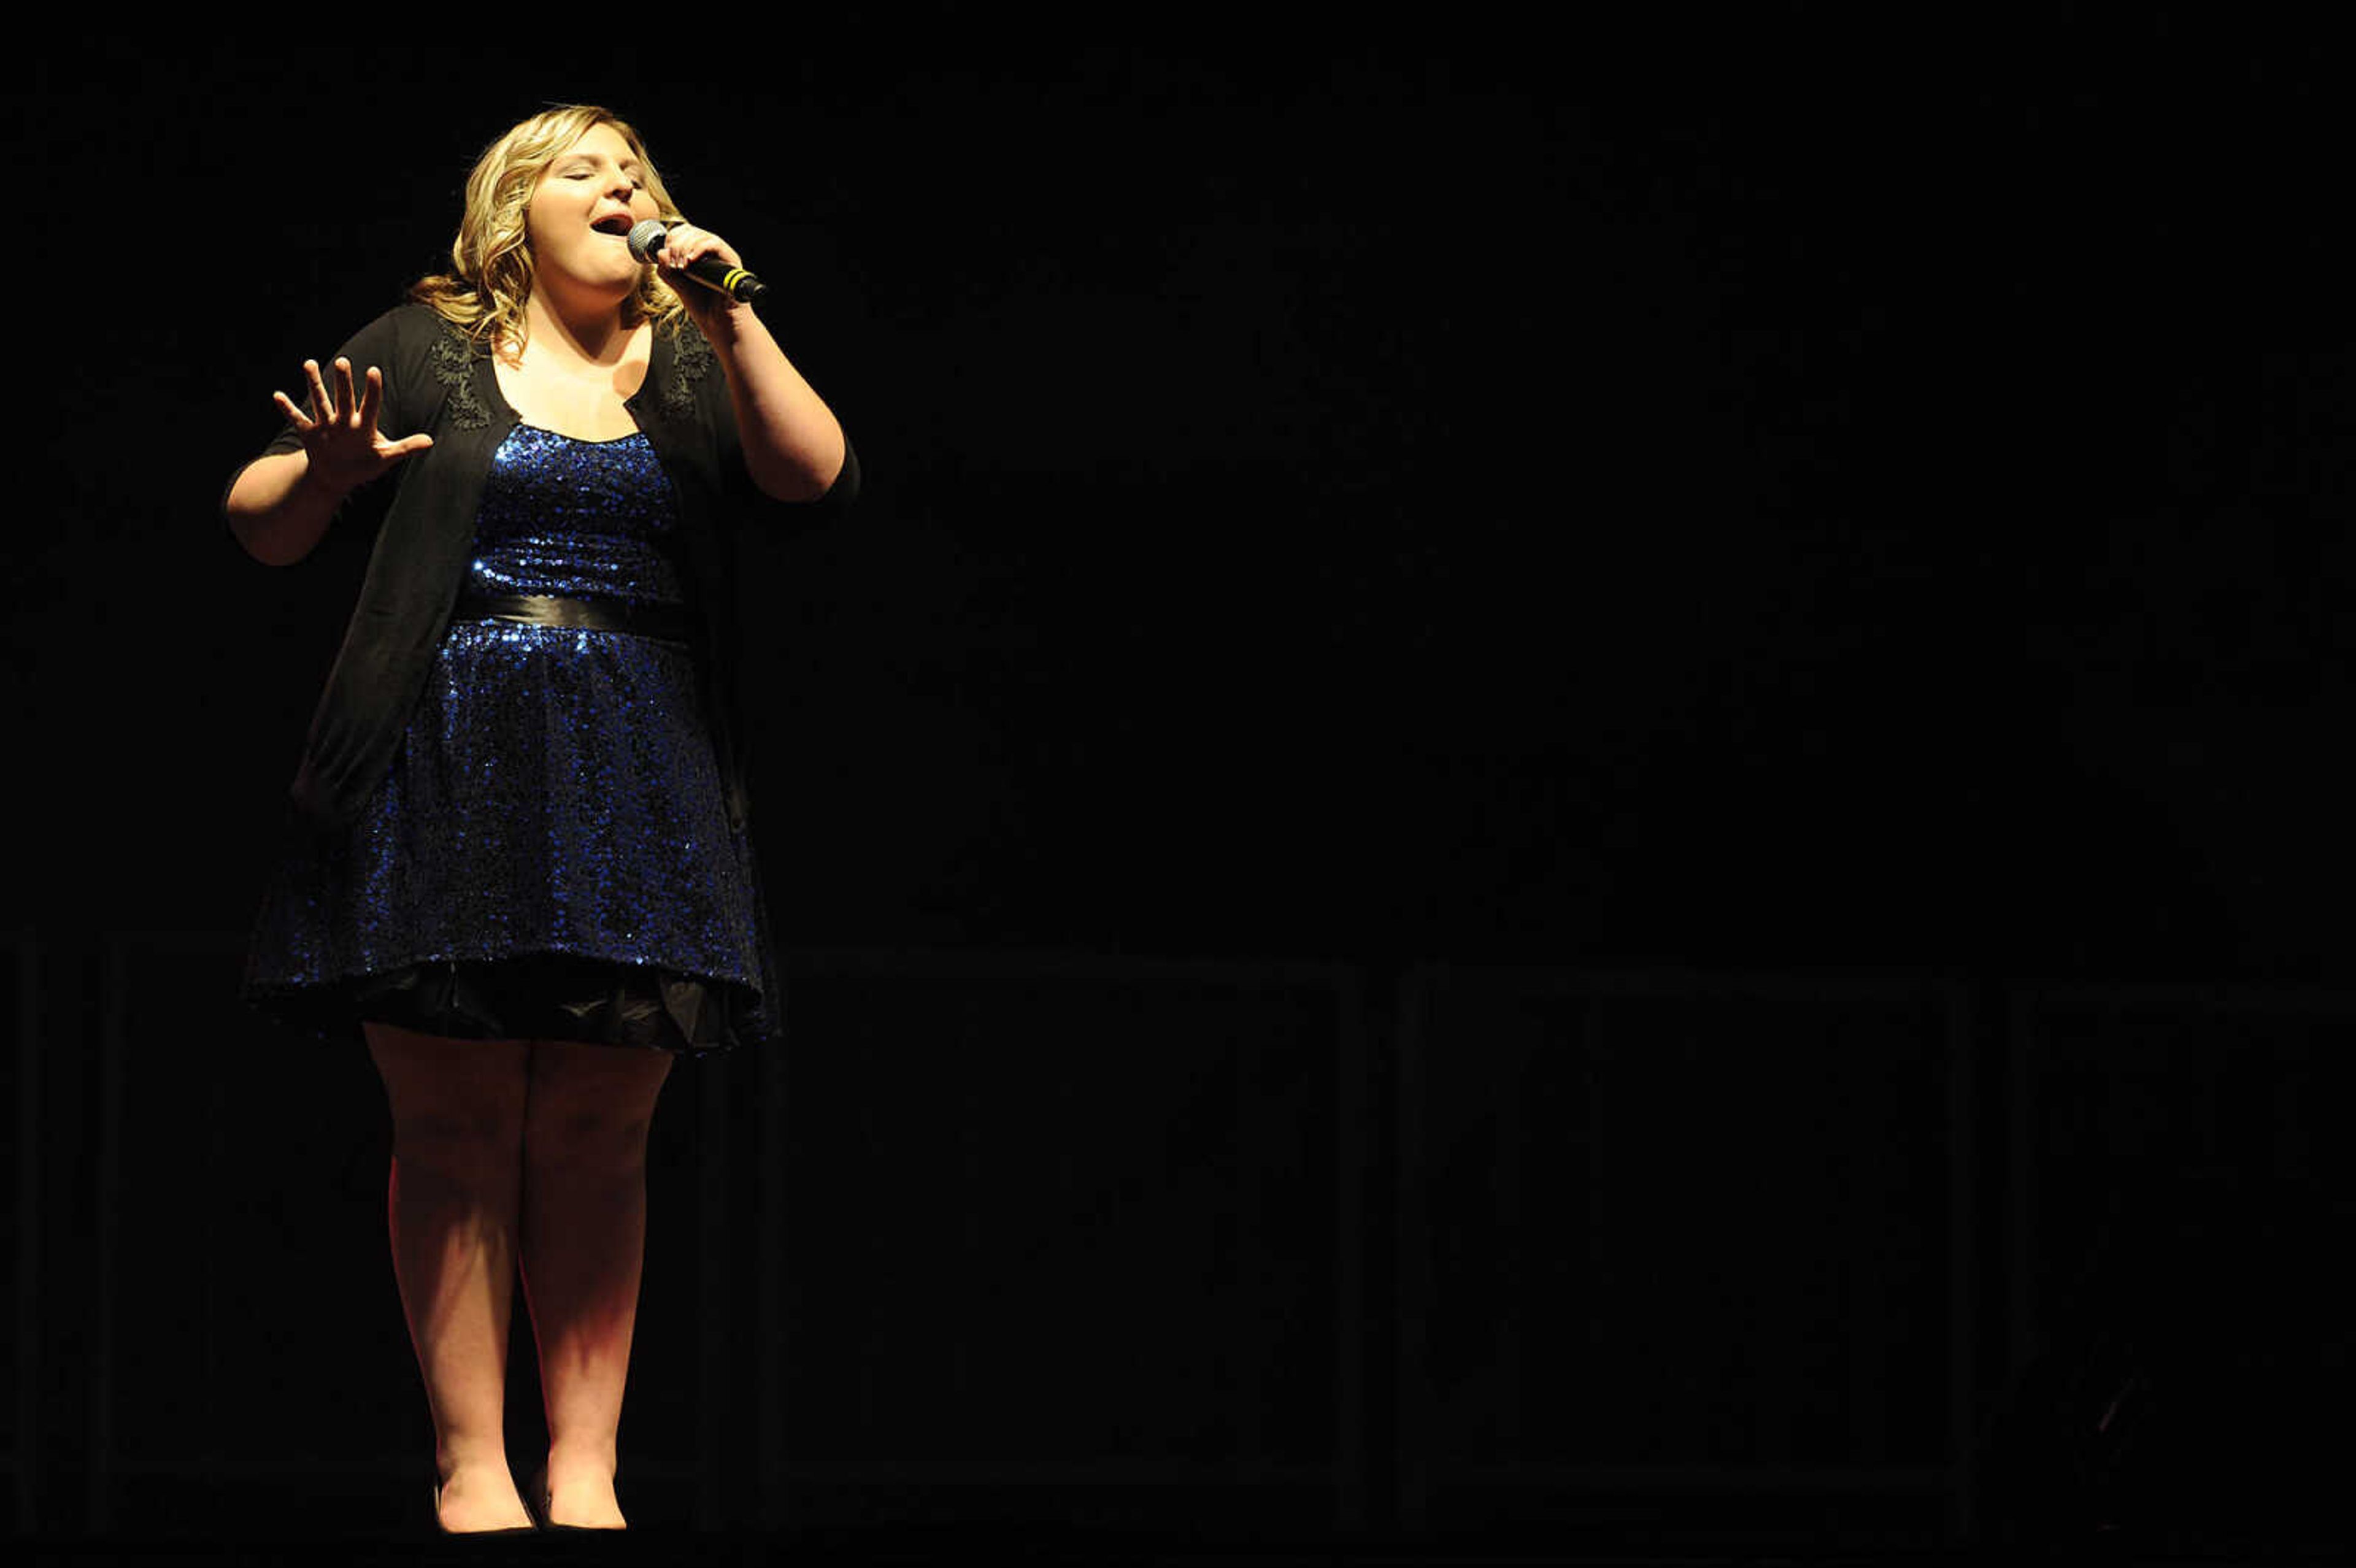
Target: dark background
1780,485
1778,490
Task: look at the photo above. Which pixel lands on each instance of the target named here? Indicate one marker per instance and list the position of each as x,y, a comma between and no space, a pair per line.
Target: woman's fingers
293,412
323,407
336,420
372,400
685,242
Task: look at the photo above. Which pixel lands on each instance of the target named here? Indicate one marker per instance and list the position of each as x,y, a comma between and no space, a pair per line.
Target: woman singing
520,861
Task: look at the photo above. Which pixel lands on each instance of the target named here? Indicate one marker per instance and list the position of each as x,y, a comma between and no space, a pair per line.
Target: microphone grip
735,282
712,273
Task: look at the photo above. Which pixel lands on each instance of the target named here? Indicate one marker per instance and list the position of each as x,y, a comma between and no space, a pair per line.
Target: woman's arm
279,509
280,504
793,443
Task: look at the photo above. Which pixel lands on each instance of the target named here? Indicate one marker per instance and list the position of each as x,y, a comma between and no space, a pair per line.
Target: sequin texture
556,790
575,518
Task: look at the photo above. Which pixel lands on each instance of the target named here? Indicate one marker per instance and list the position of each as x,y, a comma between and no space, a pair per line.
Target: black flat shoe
531,1529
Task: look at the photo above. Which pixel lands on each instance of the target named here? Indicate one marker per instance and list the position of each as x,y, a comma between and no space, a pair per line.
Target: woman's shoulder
405,337
427,362
412,325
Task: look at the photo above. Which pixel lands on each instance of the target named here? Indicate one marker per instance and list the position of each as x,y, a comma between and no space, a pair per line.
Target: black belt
668,623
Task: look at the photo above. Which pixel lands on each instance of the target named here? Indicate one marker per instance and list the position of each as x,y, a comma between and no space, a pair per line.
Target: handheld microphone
646,238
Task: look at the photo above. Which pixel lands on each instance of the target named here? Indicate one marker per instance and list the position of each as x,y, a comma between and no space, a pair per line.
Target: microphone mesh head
646,238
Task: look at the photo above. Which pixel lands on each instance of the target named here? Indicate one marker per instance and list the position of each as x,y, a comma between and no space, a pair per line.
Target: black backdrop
1775,487
1778,488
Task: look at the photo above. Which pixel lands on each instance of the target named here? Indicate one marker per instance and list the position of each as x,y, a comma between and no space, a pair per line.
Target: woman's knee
592,1108
587,1141
460,1142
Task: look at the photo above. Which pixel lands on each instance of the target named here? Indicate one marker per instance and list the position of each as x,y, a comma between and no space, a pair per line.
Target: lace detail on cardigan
691,362
454,367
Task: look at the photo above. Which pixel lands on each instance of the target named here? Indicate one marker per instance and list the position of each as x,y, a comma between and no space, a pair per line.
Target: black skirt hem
547,996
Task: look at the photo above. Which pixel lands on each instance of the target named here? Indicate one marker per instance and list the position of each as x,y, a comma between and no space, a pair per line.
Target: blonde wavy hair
490,261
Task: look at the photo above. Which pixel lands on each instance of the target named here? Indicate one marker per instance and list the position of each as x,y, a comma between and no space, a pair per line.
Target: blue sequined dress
549,855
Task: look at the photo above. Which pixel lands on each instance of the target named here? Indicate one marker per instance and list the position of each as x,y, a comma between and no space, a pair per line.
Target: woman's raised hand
343,446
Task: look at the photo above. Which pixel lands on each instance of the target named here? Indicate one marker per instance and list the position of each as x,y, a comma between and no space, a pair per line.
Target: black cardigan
437,381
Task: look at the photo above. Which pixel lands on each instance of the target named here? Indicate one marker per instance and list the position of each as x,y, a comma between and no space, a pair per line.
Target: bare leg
451,1204
584,1226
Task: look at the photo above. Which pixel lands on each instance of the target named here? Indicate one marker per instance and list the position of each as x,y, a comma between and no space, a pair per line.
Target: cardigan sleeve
751,501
